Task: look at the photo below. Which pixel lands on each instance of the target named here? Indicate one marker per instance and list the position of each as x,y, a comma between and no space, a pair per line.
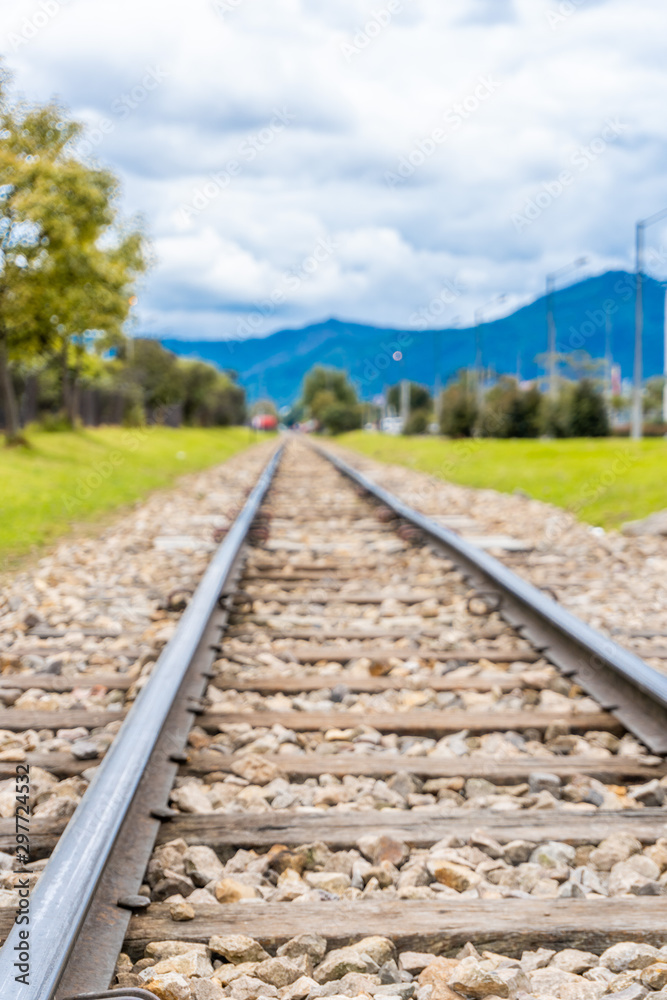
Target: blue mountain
275,365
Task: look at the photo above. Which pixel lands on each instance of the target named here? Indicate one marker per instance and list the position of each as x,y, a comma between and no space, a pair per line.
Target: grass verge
604,481
70,477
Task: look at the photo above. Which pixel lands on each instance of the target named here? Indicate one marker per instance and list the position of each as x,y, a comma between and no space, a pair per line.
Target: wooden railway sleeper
607,672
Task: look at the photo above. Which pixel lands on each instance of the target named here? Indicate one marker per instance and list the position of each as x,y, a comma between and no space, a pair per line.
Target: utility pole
607,355
479,389
437,387
405,401
637,430
479,326
551,321
551,333
664,367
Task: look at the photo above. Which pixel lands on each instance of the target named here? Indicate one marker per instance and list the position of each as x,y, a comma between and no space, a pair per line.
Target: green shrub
417,422
588,413
55,423
458,411
510,412
339,417
134,415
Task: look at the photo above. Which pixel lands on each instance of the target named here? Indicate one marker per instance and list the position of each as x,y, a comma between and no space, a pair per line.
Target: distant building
391,425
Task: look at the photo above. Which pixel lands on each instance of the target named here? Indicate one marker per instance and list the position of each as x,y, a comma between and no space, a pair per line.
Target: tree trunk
66,398
74,414
74,402
10,405
30,398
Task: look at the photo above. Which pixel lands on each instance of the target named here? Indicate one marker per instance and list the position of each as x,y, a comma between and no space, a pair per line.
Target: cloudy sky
398,162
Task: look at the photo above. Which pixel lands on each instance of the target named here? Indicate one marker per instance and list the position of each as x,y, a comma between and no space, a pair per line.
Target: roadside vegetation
71,271
496,406
567,450
603,481
79,476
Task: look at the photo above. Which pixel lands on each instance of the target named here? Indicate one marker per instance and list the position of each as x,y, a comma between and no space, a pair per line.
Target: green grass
67,478
603,481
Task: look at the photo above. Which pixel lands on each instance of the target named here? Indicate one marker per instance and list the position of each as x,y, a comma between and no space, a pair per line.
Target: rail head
63,894
623,681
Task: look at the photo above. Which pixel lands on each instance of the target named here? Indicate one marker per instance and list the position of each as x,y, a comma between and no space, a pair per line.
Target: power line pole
637,430
405,401
607,354
479,327
551,321
551,333
437,387
664,366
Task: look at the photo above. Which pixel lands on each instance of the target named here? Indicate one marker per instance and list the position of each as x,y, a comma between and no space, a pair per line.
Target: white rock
565,985
170,986
202,864
329,881
611,850
191,798
237,948
629,955
552,854
531,960
189,963
250,988
574,960
279,971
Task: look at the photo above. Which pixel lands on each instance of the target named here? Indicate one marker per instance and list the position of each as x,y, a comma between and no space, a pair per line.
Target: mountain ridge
276,364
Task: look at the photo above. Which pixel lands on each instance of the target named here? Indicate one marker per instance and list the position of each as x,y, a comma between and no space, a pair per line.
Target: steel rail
617,678
63,894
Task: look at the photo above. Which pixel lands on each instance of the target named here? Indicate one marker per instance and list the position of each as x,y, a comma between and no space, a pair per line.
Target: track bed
387,787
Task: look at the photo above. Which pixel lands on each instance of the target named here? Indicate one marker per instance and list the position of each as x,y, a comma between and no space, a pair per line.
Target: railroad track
367,743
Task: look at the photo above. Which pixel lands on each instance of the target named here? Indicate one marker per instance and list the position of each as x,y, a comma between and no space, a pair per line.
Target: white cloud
408,94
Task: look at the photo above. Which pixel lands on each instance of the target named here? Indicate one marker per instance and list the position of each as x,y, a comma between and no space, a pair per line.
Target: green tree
332,380
210,397
329,398
228,405
295,415
419,397
339,417
31,140
263,406
156,372
65,266
510,412
588,415
200,383
555,413
653,399
458,408
87,279
417,422
580,365
322,401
